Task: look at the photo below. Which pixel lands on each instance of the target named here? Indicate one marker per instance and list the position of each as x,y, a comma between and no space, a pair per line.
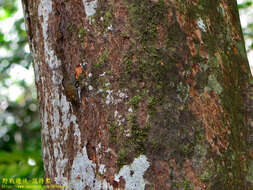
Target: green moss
103,17
96,65
135,143
122,157
104,57
82,33
183,91
206,176
187,148
213,84
144,23
71,28
108,16
139,136
134,101
152,102
186,185
113,133
124,35
102,61
154,66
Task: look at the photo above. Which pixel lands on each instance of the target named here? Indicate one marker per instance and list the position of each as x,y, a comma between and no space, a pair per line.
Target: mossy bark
166,82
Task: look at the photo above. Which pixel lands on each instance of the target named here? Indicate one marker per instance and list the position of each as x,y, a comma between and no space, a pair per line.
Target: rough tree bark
142,94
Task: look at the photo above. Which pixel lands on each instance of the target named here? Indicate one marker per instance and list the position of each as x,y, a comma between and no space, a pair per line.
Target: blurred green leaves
20,164
20,140
8,8
244,5
246,15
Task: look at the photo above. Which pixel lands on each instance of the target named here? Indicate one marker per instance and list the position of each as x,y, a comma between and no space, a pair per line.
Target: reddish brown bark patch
158,175
142,114
216,131
191,175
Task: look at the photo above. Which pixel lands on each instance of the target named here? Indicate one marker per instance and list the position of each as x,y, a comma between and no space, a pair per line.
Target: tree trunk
142,94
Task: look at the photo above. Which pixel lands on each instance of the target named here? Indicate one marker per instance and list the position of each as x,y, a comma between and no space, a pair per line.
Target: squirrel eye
77,84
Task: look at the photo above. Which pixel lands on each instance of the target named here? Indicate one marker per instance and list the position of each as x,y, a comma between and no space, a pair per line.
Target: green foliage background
20,143
20,146
246,9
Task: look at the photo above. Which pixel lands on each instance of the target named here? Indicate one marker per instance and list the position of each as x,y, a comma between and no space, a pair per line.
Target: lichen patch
90,7
133,174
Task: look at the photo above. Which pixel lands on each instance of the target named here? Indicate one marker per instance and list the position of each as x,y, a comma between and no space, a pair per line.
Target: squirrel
71,87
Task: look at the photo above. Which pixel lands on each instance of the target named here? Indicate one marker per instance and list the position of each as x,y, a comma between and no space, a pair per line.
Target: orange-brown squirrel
71,87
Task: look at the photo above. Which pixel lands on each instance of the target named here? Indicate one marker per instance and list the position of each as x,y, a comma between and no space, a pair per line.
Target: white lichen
102,169
127,133
60,178
122,94
82,171
130,110
51,102
60,117
116,114
100,90
44,9
109,97
133,174
201,24
90,7
98,148
109,27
